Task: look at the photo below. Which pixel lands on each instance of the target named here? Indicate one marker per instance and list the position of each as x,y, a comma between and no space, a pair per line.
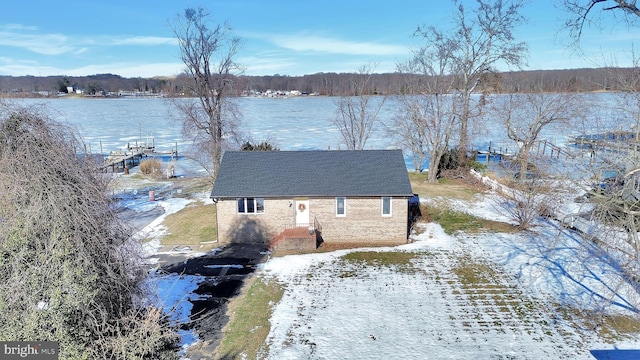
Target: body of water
299,123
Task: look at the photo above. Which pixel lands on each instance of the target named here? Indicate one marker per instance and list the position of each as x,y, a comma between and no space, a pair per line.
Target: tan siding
277,214
364,221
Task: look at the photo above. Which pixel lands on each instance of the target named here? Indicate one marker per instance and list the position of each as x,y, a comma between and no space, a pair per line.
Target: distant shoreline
323,84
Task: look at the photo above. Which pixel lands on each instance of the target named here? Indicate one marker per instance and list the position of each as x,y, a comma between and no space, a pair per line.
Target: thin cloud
144,40
27,68
14,27
314,43
27,37
267,63
8,60
46,44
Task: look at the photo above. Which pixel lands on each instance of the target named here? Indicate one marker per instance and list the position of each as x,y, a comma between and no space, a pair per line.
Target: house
352,196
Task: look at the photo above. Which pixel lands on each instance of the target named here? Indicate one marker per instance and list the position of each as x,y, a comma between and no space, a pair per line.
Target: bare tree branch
427,122
208,55
478,43
357,115
581,13
526,116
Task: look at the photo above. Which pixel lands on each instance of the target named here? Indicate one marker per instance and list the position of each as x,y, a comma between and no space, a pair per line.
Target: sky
286,37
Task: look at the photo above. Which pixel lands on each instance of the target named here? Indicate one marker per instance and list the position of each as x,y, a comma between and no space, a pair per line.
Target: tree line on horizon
328,84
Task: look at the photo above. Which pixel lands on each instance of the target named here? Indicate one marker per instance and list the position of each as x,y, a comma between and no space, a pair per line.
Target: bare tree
409,133
70,273
525,201
208,52
627,82
616,195
536,174
615,215
430,118
583,12
526,116
479,42
358,114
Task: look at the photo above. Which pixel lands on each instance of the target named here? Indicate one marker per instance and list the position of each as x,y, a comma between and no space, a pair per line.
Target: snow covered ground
172,292
521,303
333,308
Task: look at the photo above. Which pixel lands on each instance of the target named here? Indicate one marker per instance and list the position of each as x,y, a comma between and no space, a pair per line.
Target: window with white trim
386,206
250,205
341,206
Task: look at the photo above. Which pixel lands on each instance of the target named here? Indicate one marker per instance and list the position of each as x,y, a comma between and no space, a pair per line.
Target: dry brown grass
341,246
193,185
447,188
151,166
612,327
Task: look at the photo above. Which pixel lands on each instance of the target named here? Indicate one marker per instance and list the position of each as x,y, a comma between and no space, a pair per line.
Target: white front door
302,212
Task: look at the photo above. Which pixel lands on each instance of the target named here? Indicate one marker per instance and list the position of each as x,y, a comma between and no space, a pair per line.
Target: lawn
245,334
444,188
193,225
439,209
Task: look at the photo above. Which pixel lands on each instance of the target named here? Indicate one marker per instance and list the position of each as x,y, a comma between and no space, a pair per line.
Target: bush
150,166
450,160
263,146
477,166
69,272
453,165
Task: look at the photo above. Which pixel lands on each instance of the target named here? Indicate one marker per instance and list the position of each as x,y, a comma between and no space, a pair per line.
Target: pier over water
133,154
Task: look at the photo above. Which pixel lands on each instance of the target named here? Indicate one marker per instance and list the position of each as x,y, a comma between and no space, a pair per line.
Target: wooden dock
132,155
543,149
616,141
496,154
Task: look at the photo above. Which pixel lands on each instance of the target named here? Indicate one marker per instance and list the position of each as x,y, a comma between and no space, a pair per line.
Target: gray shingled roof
312,173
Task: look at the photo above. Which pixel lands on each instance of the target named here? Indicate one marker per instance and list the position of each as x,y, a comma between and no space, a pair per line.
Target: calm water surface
301,123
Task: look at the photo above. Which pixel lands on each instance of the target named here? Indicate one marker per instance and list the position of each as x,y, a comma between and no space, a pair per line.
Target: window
386,206
341,208
260,205
250,205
